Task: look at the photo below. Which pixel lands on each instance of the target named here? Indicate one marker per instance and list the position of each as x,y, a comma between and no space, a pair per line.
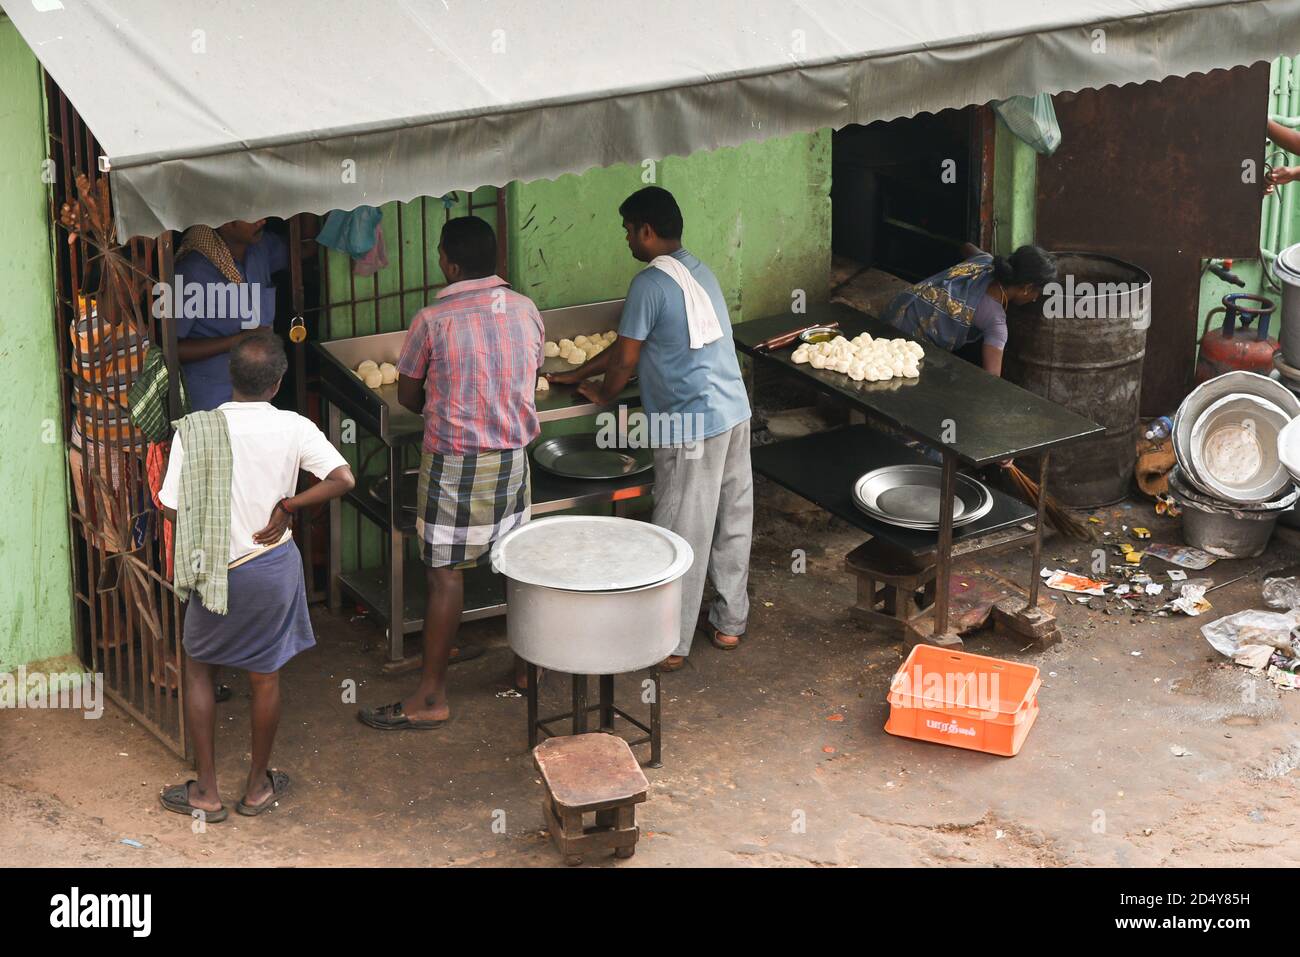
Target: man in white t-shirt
267,622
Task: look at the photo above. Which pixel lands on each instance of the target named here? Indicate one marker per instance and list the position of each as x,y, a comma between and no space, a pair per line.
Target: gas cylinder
1236,346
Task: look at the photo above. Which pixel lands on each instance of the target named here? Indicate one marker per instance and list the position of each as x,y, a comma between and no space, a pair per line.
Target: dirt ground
774,754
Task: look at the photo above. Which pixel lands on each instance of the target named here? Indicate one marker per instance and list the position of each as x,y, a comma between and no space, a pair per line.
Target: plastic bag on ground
1228,635
1282,592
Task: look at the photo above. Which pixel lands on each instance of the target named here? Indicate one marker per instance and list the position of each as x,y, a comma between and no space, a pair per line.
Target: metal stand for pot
605,705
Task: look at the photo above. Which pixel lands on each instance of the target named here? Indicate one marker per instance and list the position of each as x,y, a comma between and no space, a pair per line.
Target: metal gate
127,619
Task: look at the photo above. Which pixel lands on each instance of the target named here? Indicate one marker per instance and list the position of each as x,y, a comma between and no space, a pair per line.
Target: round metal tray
578,456
905,495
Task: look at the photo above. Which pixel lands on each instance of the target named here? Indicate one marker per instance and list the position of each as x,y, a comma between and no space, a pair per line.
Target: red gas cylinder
1236,346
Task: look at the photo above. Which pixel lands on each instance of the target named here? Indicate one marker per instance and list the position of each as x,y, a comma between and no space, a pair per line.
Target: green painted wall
759,215
1015,184
35,597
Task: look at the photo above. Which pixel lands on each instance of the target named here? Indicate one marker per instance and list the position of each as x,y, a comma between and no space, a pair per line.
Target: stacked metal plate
1225,437
909,496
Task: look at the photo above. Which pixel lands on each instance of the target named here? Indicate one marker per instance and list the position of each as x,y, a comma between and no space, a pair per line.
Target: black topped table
824,466
954,405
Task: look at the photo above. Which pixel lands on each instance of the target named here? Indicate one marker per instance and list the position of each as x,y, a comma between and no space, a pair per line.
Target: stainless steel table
395,593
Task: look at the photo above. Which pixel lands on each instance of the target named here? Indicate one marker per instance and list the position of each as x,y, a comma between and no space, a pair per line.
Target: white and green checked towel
203,509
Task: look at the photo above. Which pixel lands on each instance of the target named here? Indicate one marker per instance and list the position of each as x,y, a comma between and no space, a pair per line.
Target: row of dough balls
374,374
579,349
864,358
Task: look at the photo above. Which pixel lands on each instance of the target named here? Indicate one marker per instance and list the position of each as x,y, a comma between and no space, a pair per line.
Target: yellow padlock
298,330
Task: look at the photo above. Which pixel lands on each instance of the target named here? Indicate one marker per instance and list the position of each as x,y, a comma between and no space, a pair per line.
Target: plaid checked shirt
478,349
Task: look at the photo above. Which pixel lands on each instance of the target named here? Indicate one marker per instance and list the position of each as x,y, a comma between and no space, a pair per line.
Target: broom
1059,517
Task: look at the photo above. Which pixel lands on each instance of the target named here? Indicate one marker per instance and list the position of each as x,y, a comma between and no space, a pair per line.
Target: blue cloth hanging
351,232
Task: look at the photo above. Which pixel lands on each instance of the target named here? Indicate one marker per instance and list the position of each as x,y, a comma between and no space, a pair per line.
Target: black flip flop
391,718
465,653
177,798
279,785
222,693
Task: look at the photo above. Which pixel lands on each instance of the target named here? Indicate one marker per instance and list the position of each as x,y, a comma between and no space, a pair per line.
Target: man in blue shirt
697,413
224,292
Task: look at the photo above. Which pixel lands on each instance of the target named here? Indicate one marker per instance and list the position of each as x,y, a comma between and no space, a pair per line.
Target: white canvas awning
212,110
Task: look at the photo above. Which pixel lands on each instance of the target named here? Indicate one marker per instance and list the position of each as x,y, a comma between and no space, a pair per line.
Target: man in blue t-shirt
697,413
224,292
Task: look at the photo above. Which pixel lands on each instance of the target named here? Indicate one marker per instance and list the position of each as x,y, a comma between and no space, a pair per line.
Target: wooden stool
888,587
585,773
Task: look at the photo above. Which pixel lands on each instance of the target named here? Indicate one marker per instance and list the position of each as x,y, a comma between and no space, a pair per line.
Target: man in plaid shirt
470,365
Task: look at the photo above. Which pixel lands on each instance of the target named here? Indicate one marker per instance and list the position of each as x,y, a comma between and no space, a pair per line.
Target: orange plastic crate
967,701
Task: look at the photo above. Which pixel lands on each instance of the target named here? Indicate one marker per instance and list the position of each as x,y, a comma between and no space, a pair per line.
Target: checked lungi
466,502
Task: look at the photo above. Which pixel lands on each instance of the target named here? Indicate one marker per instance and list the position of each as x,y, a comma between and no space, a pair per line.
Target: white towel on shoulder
701,317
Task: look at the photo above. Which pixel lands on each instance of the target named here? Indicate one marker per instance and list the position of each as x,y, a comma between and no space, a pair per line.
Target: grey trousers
705,494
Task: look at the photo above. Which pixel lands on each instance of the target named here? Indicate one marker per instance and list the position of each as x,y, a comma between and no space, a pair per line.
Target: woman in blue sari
967,304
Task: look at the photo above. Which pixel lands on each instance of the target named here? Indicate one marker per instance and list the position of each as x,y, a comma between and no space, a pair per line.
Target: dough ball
800,355
911,371
551,349
543,385
566,349
566,343
369,365
374,378
611,335
841,364
581,341
817,361
576,357
857,373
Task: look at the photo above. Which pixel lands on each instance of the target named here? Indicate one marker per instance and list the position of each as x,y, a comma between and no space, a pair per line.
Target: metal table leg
607,703
1038,532
335,426
579,704
656,752
532,705
396,559
943,558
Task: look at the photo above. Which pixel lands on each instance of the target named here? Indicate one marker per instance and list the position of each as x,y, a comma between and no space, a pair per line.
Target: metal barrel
1081,345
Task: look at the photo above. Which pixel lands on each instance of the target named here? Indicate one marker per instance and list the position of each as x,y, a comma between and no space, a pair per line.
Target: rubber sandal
177,798
222,693
669,665
279,785
718,643
391,718
463,653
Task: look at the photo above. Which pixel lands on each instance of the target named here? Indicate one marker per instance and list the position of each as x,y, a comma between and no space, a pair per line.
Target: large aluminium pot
592,595
1287,269
1082,346
1223,529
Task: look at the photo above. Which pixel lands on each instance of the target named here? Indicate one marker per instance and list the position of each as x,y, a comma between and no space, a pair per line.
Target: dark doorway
907,193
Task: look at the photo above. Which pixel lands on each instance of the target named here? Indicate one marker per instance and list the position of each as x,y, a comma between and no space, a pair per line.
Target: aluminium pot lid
1288,263
591,553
